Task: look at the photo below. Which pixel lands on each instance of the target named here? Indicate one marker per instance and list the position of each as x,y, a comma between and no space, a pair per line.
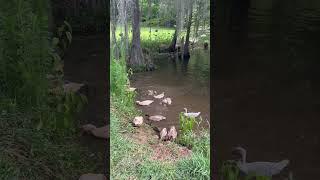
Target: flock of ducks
165,135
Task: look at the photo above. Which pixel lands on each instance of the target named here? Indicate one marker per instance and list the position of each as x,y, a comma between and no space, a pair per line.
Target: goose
159,96
156,117
191,114
259,168
163,134
172,134
144,103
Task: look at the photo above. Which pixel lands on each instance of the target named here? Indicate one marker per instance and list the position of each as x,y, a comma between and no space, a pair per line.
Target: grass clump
230,171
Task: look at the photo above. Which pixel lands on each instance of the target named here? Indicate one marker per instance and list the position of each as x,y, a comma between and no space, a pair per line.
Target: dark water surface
266,85
187,83
85,62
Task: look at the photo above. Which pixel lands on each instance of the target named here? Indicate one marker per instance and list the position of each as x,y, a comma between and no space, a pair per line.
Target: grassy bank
133,160
159,36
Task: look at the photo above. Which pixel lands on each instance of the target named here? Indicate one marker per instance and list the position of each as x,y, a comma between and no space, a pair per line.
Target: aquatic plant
186,123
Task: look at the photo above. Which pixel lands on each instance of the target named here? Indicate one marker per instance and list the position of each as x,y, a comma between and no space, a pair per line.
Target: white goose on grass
191,114
260,168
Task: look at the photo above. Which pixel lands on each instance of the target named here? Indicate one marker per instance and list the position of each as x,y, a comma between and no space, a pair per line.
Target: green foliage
195,167
230,171
186,123
27,153
62,40
36,138
24,54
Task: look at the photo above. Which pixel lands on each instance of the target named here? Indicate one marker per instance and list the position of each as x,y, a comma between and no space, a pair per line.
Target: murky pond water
187,83
266,82
85,62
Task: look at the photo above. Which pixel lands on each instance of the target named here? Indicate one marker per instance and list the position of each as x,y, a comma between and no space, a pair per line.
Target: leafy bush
24,54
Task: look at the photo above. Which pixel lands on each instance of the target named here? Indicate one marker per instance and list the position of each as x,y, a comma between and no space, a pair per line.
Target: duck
137,121
156,117
151,92
131,89
268,169
163,134
159,96
144,103
172,134
191,114
167,101
101,132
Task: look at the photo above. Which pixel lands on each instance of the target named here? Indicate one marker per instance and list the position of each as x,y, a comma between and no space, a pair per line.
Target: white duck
156,117
260,168
191,114
151,92
131,89
159,96
144,103
167,101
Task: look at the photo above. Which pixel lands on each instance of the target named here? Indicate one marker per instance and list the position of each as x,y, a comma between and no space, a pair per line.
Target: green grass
186,123
152,41
161,37
28,153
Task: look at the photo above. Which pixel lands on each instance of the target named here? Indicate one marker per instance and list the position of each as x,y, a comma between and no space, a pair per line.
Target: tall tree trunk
197,20
172,46
126,36
186,53
149,17
136,55
113,29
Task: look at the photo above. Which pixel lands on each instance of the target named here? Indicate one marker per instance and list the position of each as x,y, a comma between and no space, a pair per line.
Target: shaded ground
86,62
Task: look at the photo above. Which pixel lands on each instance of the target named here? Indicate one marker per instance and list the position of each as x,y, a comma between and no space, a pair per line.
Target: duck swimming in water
191,114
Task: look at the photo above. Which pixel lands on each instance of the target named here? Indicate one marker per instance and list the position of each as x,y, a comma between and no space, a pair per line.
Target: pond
186,82
266,83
